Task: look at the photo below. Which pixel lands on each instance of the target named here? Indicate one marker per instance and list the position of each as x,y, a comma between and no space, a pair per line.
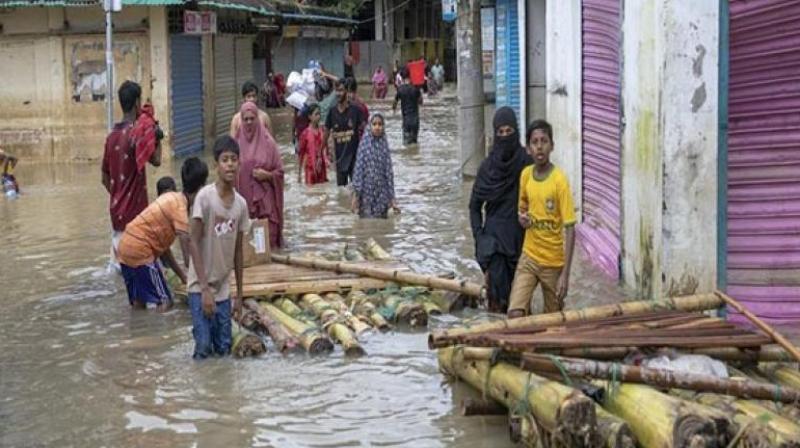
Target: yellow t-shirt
549,205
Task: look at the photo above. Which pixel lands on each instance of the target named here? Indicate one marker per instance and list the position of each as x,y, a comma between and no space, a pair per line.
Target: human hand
237,308
262,175
524,219
395,207
354,204
562,286
209,306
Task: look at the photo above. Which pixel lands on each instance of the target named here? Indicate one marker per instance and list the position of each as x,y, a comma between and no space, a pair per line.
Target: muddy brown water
78,368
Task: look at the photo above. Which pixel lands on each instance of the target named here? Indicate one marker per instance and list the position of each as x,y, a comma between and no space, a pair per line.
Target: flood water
79,368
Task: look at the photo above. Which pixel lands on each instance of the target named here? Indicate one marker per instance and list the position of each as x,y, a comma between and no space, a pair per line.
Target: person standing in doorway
250,95
437,71
410,99
547,213
493,216
124,179
343,124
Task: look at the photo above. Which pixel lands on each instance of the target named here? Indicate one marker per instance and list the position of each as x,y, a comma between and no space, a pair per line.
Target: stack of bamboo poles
543,370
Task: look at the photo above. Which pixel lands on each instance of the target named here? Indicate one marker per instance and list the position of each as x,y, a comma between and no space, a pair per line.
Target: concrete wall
46,54
536,60
563,95
669,166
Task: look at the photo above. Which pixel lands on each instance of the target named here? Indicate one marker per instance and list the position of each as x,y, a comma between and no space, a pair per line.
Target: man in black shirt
410,99
343,123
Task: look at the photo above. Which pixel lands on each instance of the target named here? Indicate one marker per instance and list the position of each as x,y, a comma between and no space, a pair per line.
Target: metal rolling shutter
513,48
763,201
186,65
225,91
244,61
599,233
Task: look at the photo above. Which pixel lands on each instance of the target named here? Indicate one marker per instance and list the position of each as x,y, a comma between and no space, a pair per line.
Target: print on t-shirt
224,226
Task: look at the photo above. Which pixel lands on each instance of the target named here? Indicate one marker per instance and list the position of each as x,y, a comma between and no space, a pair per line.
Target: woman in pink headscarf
379,83
260,173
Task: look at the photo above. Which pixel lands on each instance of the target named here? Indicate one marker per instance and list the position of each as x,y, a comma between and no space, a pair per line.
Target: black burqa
493,211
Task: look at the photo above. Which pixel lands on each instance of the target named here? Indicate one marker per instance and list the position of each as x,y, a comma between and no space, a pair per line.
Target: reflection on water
80,369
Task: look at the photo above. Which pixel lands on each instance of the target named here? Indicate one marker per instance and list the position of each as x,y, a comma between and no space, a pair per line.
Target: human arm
209,307
522,206
104,171
396,100
184,243
239,274
155,158
419,97
234,126
169,259
569,247
475,214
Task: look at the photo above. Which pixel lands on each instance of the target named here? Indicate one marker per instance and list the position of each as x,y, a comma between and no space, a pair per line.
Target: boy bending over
546,212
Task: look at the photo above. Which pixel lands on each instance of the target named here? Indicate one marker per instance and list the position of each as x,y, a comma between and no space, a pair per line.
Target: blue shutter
513,58
186,94
507,52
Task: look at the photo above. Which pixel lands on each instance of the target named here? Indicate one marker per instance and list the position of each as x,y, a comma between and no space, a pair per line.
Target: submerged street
79,368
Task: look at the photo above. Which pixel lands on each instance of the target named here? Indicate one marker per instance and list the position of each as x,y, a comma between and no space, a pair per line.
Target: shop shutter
244,61
186,65
763,199
599,232
225,91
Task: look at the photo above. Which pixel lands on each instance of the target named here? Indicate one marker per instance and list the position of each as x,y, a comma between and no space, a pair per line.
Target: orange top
151,233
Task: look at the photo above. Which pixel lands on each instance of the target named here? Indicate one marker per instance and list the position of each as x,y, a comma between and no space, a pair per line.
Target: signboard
487,42
501,53
199,22
449,10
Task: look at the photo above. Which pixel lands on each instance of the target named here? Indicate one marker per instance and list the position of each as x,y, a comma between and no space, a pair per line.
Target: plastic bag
699,364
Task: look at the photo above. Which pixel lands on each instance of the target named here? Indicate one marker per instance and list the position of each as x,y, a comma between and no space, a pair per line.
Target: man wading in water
343,124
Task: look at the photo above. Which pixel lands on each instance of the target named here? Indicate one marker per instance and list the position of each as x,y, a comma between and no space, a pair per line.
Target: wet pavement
78,368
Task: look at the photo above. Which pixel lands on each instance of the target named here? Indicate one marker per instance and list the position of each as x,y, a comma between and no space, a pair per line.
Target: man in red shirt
124,181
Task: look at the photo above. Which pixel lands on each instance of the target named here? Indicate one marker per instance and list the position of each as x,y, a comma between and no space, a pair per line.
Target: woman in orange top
149,237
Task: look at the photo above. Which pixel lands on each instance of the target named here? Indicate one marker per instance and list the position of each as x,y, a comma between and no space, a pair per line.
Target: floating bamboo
430,306
245,343
777,337
565,413
332,322
406,310
471,407
374,251
362,306
448,301
309,336
357,325
284,341
660,378
661,420
783,375
288,306
764,353
700,302
613,431
465,287
762,427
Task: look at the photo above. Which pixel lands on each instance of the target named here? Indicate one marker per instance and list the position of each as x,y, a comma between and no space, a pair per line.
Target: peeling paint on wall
698,98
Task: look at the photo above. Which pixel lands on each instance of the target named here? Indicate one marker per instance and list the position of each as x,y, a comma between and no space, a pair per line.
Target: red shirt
128,185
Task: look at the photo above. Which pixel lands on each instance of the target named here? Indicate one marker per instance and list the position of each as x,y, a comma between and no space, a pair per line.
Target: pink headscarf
257,149
379,77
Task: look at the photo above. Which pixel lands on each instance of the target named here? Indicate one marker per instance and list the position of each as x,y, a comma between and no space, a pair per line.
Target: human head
376,125
506,134
226,156
405,74
352,88
194,174
165,185
314,114
130,96
539,142
250,91
250,120
341,91
436,61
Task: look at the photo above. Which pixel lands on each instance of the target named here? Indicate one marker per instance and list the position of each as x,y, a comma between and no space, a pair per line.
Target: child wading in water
313,151
547,213
219,219
373,177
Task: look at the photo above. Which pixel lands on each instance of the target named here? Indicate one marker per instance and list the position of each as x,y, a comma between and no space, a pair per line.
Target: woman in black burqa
493,209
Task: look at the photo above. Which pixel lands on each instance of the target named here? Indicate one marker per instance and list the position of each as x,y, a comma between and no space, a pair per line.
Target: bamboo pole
771,332
763,427
783,375
357,325
406,310
660,420
448,301
362,306
374,251
566,414
309,336
523,430
765,353
332,323
613,431
288,306
430,306
284,341
245,343
438,339
660,378
463,286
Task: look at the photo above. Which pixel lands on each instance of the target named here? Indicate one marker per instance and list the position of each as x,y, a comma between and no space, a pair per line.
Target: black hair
165,184
225,144
405,73
350,84
541,125
311,108
194,173
249,86
129,92
340,82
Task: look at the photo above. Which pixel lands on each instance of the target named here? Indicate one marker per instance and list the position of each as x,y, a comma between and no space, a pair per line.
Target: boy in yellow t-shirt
547,213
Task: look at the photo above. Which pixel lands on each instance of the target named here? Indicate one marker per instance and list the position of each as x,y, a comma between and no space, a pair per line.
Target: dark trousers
410,133
500,277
